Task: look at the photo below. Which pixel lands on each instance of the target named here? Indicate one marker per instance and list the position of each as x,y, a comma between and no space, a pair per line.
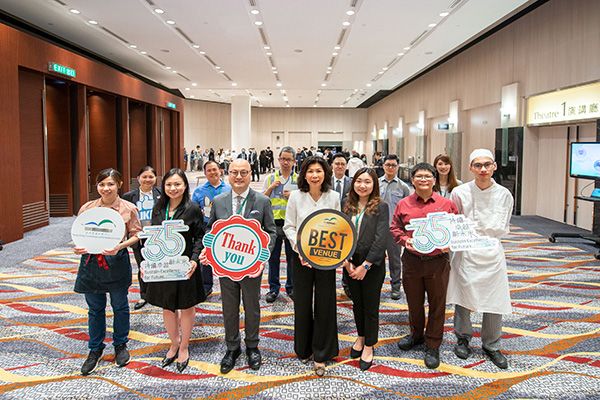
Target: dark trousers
394,251
254,169
249,289
431,277
137,253
275,263
315,332
97,318
366,295
207,277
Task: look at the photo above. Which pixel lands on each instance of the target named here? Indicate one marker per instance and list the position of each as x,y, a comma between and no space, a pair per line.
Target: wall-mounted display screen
585,160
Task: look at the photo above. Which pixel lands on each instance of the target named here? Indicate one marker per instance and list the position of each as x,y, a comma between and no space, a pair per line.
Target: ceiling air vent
227,77
61,2
415,40
341,38
150,2
252,3
156,61
184,35
454,4
115,35
263,36
184,77
210,61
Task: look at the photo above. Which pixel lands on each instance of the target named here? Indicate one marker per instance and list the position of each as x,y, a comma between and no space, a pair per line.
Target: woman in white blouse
315,333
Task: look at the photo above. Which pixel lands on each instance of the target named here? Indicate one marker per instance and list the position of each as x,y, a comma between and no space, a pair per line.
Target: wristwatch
366,266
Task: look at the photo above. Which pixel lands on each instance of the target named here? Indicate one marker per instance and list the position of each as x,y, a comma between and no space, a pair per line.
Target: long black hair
161,204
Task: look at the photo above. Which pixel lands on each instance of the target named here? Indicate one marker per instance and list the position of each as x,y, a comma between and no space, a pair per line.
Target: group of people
380,207
260,163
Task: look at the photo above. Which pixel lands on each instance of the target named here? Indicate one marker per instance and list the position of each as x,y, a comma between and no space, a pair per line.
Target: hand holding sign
162,252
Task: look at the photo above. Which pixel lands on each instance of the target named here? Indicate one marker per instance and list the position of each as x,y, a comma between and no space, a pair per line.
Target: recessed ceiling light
279,84
341,105
369,85
74,11
202,52
385,68
195,46
217,67
275,71
432,25
167,67
444,14
400,54
222,71
194,84
187,88
269,54
92,22
260,105
170,22
329,67
273,67
328,72
159,11
233,84
314,105
346,23
210,90
192,96
350,12
143,52
323,84
407,48
267,47
258,23
380,72
287,105
133,46
337,48
254,12
334,54
174,71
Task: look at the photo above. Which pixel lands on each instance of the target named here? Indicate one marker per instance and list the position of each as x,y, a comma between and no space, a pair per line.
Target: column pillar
241,133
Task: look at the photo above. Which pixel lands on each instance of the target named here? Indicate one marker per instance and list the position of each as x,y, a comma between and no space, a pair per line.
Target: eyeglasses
244,173
390,165
339,164
487,165
288,160
423,177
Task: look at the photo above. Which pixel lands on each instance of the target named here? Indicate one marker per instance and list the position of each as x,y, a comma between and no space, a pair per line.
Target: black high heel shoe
365,365
183,365
355,353
169,360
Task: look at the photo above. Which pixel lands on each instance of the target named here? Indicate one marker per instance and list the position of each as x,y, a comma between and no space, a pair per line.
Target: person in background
315,328
204,196
144,198
199,158
365,271
446,178
300,157
378,164
242,200
271,159
392,191
478,278
354,164
423,273
109,272
178,299
263,161
278,187
253,160
341,184
185,159
193,159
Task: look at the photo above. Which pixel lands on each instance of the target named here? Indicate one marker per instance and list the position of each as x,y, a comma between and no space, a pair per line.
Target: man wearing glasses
392,190
423,273
244,201
278,187
479,279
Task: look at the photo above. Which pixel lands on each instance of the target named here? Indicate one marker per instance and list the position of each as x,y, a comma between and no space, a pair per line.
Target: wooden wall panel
102,134
60,175
167,139
33,182
137,137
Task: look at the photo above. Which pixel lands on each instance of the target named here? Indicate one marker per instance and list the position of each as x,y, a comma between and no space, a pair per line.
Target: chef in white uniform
478,278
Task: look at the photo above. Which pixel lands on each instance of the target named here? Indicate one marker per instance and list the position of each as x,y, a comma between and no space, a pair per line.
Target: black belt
425,258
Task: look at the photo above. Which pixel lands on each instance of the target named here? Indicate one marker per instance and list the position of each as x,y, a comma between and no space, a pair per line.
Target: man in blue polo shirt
203,196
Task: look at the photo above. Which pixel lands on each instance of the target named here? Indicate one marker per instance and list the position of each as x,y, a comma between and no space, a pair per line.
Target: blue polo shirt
204,195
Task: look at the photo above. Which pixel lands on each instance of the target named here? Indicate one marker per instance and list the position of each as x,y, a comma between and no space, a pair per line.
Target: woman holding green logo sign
179,298
365,271
108,272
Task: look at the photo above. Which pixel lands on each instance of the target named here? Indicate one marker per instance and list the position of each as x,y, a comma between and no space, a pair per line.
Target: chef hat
480,153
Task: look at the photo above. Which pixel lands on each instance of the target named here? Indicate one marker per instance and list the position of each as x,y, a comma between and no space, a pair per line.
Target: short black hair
303,184
422,166
338,155
392,157
209,162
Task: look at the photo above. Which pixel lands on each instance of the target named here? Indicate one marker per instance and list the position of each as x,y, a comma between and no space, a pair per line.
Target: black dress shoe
228,361
183,365
355,353
254,358
432,358
462,349
497,358
169,360
139,304
408,342
395,294
272,296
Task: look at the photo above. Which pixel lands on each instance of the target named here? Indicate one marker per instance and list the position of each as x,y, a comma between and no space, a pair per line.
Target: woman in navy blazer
144,198
365,271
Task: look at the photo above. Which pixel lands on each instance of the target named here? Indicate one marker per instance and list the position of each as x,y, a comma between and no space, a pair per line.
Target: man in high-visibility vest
277,187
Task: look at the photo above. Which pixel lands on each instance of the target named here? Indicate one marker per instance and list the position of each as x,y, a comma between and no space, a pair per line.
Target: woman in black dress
179,298
365,271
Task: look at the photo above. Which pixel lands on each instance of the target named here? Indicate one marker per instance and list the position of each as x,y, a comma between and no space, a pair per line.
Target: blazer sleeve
197,227
268,221
130,196
376,254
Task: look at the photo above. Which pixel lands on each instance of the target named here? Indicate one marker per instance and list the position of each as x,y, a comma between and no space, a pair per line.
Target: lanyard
359,215
242,206
168,212
210,187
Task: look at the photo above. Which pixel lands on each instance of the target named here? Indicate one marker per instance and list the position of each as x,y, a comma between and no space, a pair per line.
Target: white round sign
98,229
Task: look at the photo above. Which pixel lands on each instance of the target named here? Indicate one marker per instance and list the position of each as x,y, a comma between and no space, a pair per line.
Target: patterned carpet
552,341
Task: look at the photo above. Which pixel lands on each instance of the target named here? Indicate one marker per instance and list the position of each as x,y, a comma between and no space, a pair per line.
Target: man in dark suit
341,184
253,160
251,205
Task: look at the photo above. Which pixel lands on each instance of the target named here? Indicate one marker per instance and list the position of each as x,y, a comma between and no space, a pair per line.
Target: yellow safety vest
278,204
